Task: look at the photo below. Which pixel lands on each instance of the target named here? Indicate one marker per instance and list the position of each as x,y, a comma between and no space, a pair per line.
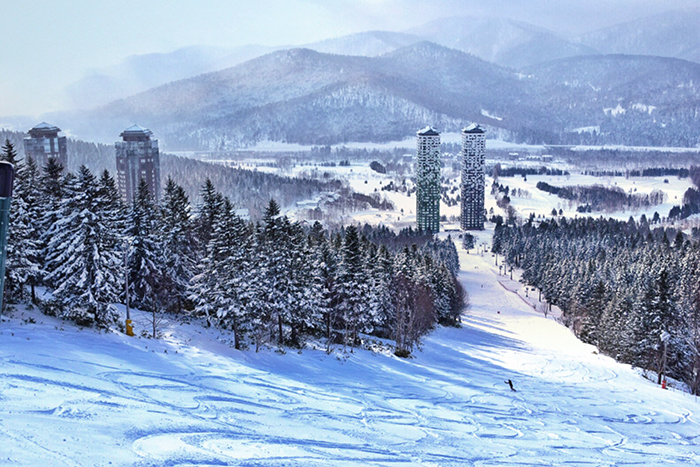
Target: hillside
190,399
673,34
502,41
307,97
622,99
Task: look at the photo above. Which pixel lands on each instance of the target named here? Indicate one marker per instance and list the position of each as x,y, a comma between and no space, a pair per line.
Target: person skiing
510,383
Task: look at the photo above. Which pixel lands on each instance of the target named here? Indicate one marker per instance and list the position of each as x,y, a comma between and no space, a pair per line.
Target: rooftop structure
44,142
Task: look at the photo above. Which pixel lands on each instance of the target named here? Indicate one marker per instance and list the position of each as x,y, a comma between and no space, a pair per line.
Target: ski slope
77,397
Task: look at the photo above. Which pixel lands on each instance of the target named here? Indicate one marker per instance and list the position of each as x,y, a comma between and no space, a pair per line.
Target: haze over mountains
524,81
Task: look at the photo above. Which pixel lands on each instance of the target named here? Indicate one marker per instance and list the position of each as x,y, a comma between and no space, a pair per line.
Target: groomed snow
78,397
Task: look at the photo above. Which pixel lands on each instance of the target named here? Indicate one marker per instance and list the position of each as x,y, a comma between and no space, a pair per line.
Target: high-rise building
428,179
473,177
44,142
137,158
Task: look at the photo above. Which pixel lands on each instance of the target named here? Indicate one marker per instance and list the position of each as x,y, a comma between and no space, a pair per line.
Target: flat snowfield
80,398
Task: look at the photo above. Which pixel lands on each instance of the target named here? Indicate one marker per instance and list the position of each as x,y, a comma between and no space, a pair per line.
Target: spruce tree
9,153
82,262
143,259
179,252
207,211
24,246
352,288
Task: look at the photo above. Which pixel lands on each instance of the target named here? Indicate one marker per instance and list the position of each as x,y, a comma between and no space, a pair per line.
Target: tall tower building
137,158
44,142
473,177
428,179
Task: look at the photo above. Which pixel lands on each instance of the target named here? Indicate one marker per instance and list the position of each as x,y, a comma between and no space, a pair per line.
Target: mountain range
521,81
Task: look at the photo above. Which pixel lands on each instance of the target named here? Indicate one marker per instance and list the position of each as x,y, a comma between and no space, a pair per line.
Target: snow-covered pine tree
324,279
52,183
24,246
82,261
179,251
382,310
143,258
207,211
352,286
304,293
9,153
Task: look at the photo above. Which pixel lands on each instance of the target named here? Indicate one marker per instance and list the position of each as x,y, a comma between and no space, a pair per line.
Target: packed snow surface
78,397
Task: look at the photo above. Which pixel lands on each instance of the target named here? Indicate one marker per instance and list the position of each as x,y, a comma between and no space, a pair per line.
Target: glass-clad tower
473,177
428,180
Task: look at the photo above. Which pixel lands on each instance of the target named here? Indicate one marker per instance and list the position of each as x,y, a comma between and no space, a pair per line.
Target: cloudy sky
47,44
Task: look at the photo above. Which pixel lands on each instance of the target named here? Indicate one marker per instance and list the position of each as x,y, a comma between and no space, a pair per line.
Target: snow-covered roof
428,131
474,128
46,126
136,130
43,130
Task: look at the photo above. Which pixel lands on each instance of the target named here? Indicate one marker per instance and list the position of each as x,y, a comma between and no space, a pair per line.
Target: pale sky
48,44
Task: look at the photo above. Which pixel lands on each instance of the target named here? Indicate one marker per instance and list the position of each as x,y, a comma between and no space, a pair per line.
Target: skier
510,383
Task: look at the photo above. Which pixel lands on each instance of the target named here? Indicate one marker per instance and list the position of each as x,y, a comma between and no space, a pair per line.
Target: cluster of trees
606,162
249,189
498,171
277,282
271,281
602,198
621,286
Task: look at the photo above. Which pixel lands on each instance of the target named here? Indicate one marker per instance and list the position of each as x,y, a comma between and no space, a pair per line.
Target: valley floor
77,397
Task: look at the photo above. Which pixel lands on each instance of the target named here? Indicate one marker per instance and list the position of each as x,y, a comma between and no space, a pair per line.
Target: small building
137,158
428,180
473,177
44,142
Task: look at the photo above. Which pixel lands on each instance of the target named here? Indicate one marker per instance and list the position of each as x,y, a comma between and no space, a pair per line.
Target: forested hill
621,286
247,189
307,97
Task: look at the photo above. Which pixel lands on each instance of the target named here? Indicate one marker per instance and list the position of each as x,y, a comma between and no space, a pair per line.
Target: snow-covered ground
362,179
78,397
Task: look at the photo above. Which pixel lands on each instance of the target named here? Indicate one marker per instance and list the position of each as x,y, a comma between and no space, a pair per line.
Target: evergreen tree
82,262
179,253
24,246
207,211
352,289
9,153
144,255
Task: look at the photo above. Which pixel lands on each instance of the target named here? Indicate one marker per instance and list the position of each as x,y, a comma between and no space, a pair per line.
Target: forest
603,198
631,291
273,282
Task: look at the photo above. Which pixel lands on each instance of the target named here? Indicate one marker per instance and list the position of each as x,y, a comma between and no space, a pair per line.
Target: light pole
129,327
7,177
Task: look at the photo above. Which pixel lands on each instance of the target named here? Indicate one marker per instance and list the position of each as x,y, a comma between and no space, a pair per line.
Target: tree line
621,286
603,198
271,282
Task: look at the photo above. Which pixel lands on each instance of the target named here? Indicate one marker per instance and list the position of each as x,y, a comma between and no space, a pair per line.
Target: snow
619,110
486,113
80,397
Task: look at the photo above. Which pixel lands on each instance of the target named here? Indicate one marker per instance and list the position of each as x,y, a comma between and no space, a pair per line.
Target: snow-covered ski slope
71,397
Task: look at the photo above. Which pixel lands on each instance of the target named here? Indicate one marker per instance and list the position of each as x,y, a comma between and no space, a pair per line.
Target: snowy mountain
304,96
366,44
673,34
632,99
502,41
307,97
139,73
